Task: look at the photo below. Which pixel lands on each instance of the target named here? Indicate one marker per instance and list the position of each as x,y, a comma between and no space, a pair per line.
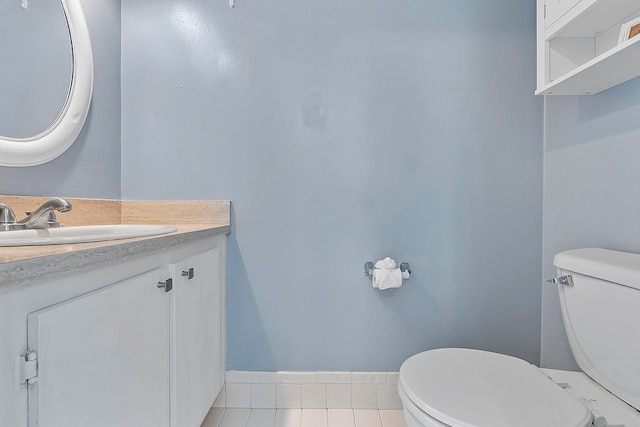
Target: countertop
194,220
25,264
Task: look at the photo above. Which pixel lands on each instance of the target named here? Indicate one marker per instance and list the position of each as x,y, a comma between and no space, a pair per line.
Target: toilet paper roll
384,278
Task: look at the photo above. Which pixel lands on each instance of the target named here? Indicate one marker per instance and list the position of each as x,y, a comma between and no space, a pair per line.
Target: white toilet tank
601,314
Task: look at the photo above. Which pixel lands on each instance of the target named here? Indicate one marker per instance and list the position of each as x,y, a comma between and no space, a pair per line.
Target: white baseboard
309,389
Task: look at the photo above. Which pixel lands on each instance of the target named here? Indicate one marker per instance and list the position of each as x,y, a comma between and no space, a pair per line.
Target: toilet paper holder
369,267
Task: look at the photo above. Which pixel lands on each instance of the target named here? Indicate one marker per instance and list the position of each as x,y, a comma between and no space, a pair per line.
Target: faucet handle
52,220
6,215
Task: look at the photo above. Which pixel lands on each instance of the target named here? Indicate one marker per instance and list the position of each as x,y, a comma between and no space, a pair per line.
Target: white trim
62,133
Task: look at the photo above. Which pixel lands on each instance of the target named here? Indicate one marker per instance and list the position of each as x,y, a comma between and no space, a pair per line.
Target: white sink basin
80,234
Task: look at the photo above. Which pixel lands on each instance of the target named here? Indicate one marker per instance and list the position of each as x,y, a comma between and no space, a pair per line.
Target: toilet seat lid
474,388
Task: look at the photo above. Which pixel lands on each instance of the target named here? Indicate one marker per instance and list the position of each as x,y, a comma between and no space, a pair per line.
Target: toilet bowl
457,387
464,387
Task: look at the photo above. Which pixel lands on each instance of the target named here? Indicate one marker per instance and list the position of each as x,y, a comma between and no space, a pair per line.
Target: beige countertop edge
25,264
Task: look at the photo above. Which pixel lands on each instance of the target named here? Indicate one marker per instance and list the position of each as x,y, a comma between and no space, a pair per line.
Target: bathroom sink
80,234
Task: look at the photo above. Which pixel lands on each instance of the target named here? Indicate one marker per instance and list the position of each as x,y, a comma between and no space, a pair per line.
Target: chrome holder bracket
404,268
368,268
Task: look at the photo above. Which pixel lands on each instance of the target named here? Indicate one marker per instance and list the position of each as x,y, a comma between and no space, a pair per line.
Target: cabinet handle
188,273
167,284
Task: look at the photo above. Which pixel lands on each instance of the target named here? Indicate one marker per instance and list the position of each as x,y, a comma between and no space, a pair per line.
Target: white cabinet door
199,336
103,358
556,8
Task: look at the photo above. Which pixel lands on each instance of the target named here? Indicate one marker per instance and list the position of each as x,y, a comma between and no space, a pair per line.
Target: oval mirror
19,150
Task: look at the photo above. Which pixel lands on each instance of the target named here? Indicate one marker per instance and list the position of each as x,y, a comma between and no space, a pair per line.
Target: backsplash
101,211
309,389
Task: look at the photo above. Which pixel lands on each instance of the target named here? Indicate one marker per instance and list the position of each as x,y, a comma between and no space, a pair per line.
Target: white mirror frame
62,133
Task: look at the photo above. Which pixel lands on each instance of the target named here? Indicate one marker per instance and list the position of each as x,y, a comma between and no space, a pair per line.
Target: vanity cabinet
139,343
199,337
578,49
103,357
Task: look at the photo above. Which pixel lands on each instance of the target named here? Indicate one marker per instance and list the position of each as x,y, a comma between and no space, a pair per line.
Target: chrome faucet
43,217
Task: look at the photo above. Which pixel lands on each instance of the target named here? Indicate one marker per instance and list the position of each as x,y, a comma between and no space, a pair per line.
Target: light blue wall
591,189
91,167
345,132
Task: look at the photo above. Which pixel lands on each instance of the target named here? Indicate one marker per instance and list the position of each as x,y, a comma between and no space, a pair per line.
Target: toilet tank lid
613,266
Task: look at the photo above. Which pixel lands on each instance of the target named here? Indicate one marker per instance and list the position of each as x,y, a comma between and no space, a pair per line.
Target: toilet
600,301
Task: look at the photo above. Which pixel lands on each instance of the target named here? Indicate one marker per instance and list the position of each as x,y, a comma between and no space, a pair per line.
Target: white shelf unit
578,50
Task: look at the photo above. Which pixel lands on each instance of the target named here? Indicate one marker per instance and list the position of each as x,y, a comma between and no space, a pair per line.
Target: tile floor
236,417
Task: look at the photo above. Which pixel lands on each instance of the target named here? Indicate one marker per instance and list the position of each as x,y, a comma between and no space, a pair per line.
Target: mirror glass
41,146
37,66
